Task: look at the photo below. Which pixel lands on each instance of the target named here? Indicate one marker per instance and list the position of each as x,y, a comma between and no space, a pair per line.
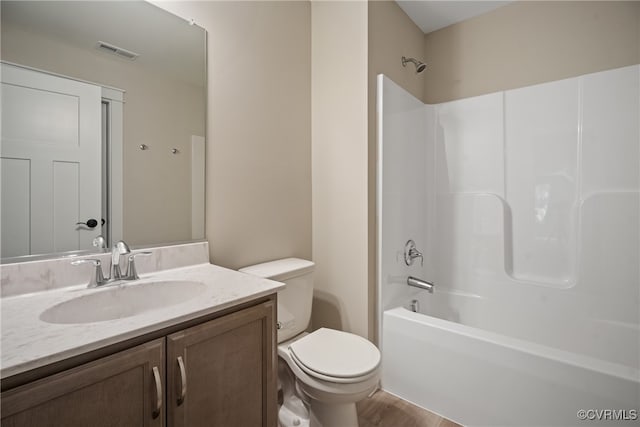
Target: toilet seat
327,389
336,356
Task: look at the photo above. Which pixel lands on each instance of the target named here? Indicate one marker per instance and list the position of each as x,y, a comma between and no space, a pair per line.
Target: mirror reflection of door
51,162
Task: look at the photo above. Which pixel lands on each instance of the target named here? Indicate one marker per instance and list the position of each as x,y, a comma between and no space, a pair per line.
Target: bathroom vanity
208,359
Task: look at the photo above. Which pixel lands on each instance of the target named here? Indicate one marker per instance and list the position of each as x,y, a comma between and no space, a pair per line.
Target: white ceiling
433,15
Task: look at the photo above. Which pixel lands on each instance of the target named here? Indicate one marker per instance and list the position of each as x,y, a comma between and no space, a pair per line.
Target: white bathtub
460,367
526,206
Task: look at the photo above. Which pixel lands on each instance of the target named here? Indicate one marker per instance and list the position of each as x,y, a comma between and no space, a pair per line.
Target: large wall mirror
103,124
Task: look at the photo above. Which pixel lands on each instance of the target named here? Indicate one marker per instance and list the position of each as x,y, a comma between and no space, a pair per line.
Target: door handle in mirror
91,223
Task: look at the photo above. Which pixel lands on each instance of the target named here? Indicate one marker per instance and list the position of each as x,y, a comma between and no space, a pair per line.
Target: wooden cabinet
118,390
221,372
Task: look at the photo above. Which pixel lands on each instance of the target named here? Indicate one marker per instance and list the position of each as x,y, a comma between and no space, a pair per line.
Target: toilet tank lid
281,269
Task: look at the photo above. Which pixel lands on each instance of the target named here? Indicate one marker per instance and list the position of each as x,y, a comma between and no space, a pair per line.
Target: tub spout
419,283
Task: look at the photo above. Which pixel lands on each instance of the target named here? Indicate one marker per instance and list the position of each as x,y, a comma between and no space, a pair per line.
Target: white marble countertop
28,342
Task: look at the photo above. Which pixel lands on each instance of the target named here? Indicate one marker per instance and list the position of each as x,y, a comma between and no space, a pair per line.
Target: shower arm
420,66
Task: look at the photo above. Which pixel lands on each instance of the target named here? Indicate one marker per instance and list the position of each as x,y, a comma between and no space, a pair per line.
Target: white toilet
323,373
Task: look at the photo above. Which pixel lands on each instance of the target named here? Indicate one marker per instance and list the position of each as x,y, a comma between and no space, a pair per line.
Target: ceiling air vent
107,47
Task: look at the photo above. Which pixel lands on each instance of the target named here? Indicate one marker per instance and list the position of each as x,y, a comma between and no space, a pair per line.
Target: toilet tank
294,301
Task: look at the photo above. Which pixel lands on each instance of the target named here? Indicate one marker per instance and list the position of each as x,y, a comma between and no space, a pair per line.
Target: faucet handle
411,253
97,278
414,253
132,274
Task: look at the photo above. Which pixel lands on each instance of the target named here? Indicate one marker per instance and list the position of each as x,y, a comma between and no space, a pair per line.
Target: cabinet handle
156,377
182,392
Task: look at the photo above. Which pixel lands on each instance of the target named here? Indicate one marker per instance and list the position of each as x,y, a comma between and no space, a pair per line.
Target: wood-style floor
385,410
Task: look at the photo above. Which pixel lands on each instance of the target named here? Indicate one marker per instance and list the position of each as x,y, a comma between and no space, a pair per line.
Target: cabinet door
223,372
119,390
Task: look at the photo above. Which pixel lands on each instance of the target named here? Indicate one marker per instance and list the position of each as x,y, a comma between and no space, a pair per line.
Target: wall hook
175,150
144,147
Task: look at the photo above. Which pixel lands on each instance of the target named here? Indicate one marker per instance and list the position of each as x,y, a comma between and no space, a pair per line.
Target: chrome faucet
101,243
419,283
117,251
411,253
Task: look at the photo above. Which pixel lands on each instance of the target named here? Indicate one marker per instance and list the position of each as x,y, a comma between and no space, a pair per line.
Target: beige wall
339,164
258,186
392,35
157,204
530,42
343,104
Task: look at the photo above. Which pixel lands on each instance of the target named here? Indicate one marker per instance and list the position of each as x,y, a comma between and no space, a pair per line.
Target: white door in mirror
50,151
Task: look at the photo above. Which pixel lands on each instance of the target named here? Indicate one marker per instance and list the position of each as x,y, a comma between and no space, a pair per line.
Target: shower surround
525,204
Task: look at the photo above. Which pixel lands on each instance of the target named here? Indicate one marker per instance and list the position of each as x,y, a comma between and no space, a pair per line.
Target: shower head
420,66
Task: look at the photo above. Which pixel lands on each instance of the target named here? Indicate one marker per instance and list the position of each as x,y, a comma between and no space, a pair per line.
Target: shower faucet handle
411,253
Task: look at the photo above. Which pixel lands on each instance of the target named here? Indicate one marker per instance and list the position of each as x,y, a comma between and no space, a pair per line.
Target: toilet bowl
324,373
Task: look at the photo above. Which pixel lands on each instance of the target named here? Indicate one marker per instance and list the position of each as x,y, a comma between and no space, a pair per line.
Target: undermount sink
118,302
